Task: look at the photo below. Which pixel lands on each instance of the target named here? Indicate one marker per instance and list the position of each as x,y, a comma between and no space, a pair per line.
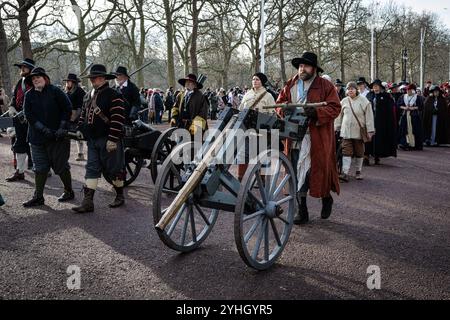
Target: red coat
324,176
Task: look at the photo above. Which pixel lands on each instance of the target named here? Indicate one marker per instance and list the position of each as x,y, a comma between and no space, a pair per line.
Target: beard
305,76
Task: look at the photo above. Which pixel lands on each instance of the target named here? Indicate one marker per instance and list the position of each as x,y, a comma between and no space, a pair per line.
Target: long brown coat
324,176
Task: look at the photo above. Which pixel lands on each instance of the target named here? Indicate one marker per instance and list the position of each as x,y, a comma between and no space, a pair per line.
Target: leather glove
173,122
193,129
12,111
61,133
79,135
311,112
111,146
48,133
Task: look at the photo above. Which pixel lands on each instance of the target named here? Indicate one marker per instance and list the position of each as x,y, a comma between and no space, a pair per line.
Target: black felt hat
28,63
99,70
307,58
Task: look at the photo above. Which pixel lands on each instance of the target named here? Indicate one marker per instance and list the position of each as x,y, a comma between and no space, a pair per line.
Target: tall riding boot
302,215
38,197
87,205
119,200
68,194
327,207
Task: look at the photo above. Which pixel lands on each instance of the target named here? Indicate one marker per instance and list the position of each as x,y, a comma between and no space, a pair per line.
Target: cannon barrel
195,178
295,105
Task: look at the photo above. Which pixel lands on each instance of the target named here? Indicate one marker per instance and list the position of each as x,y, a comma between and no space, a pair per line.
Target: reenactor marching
190,111
101,124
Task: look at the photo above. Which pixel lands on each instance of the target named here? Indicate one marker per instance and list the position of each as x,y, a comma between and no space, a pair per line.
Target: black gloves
311,112
48,133
61,133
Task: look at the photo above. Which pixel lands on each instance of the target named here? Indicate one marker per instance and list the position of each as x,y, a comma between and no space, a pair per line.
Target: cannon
263,203
142,142
6,121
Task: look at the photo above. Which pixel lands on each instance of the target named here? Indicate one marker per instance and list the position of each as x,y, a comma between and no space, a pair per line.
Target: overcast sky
435,6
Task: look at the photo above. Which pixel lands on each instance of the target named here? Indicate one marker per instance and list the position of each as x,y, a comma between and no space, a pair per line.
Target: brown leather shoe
16,177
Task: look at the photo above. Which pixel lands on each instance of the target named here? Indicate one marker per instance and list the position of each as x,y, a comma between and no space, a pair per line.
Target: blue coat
49,107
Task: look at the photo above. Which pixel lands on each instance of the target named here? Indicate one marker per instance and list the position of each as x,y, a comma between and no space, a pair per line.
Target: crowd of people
364,120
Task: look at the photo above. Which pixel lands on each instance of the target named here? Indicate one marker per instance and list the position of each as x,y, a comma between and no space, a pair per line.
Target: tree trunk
281,44
193,50
170,50
342,60
25,35
82,44
140,60
5,80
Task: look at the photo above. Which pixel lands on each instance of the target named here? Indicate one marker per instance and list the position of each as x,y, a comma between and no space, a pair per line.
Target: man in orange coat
314,159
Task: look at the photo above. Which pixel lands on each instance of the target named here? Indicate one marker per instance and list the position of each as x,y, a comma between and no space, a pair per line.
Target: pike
139,69
86,69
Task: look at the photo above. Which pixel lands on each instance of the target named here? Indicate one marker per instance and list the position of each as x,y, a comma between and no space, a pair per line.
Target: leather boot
34,202
87,205
67,196
302,215
16,177
327,207
119,200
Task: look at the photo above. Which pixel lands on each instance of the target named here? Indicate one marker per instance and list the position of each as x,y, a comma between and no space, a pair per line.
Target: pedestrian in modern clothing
48,111
356,112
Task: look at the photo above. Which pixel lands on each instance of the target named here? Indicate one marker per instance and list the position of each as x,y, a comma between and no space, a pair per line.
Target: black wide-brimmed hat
261,76
99,70
190,77
308,58
72,77
434,88
28,63
121,70
38,71
338,82
362,80
378,82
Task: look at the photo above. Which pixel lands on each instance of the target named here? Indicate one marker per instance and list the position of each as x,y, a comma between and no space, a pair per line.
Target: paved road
398,218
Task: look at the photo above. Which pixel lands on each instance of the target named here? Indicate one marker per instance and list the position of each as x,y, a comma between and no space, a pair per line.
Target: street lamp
373,26
422,42
263,37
